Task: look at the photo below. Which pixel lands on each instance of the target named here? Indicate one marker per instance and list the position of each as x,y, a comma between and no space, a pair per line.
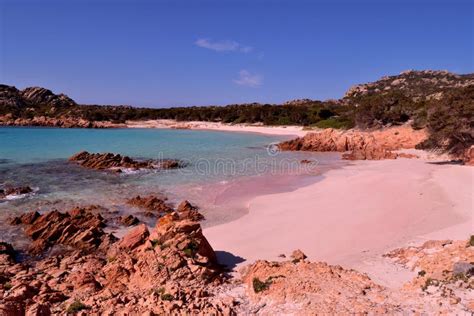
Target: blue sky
168,53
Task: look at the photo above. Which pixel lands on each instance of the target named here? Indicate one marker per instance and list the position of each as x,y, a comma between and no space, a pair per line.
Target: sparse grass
76,306
191,249
154,242
428,282
259,286
159,291
167,297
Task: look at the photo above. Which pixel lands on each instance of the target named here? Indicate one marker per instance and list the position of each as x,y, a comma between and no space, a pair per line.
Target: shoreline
431,201
285,130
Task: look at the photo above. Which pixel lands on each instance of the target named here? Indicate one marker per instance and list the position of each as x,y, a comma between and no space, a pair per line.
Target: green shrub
334,122
471,241
259,286
450,122
76,306
191,249
167,297
7,286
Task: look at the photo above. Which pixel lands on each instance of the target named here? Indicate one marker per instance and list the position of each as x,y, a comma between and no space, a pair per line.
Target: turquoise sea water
223,168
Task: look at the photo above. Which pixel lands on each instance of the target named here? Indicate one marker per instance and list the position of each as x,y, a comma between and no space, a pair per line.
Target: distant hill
419,85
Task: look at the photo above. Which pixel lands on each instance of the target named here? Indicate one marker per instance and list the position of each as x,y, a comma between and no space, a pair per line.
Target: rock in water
110,161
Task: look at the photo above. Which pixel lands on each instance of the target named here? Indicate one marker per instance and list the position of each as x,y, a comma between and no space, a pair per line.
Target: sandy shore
215,126
354,214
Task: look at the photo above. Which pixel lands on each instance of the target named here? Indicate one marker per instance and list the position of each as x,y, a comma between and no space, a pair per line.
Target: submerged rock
12,191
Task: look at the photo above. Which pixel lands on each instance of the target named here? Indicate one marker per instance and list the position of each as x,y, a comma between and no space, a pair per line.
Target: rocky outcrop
469,156
170,270
152,205
78,228
301,287
188,211
41,96
444,273
419,85
359,145
61,121
117,162
14,191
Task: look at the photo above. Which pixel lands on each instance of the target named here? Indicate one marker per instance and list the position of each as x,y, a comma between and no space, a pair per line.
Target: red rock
110,161
136,237
25,219
79,228
361,145
129,220
298,255
188,211
154,205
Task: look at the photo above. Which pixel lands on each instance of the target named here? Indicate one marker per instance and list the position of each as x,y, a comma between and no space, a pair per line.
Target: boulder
188,211
153,205
134,238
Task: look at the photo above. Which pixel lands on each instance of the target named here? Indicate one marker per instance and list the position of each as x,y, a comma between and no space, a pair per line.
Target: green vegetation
167,297
259,286
471,241
191,249
7,286
159,291
335,122
154,242
76,306
450,121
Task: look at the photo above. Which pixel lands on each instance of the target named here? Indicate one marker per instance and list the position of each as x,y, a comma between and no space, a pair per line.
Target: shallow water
224,170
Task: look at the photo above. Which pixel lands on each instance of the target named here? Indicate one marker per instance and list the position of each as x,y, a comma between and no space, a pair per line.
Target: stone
134,238
298,255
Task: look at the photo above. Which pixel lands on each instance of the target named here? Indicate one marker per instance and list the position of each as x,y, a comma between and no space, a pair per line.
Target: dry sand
354,214
198,125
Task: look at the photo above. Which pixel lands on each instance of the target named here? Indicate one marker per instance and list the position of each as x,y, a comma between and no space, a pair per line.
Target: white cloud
246,49
249,79
222,46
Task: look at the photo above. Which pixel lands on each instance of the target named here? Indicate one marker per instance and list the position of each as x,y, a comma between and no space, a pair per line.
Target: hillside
418,85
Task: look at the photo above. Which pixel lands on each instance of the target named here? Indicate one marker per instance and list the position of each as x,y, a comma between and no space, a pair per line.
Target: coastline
289,130
354,214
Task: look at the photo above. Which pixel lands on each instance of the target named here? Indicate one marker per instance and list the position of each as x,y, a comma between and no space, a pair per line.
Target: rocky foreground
75,265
